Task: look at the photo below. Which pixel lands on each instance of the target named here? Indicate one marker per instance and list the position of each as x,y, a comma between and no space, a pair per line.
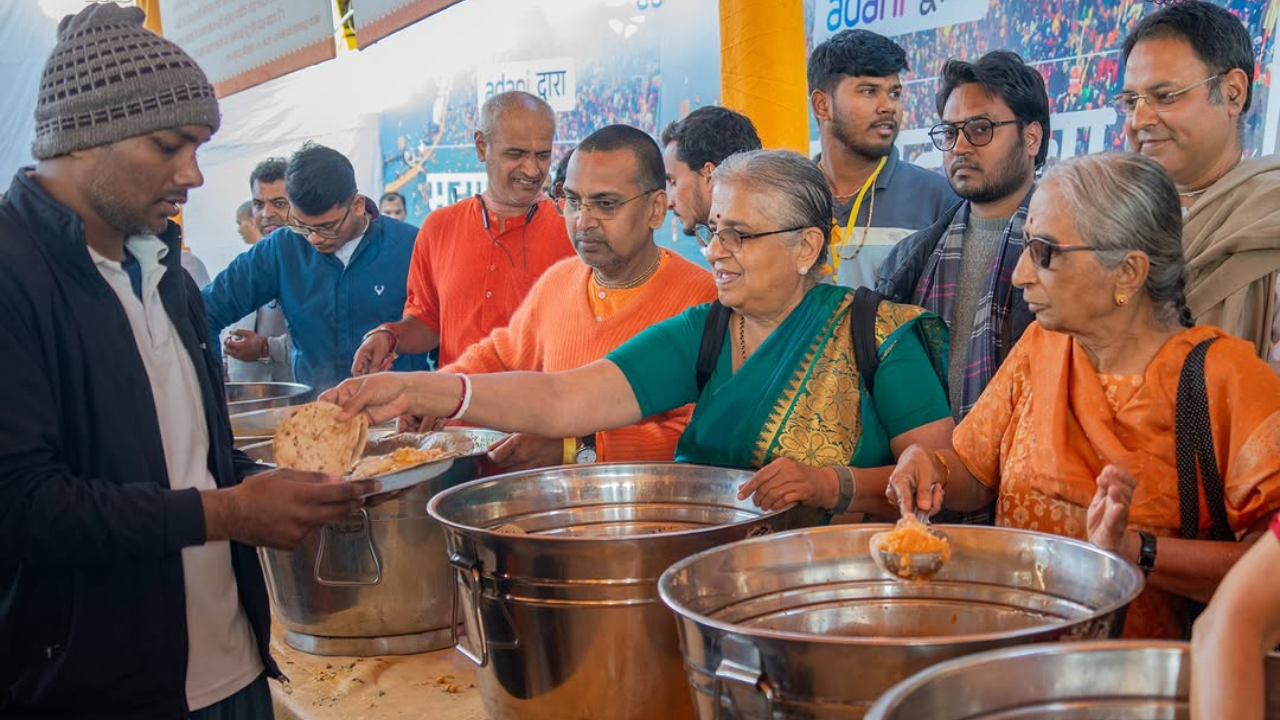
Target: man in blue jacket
337,268
129,587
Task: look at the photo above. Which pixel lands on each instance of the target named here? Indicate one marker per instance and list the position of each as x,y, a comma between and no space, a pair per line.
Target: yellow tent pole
152,9
762,68
152,23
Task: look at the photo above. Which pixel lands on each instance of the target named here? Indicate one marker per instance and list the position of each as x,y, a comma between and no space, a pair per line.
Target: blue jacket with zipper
327,306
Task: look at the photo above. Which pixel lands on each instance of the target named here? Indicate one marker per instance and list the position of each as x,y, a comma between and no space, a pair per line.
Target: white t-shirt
222,658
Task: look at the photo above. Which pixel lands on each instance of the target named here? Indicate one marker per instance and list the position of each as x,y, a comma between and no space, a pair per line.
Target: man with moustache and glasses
474,261
855,90
584,307
1188,84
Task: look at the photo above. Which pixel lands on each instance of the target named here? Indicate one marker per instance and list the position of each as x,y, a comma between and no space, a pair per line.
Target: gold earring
1122,299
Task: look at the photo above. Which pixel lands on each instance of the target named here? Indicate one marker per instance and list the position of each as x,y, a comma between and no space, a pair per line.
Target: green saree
799,395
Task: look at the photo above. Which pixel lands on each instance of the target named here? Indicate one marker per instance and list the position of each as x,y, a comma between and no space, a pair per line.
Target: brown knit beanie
109,79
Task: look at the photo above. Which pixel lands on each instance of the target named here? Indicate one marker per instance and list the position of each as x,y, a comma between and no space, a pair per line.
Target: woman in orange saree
1075,434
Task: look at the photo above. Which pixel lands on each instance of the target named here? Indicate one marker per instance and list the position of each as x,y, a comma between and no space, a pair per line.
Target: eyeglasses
602,209
1042,250
328,233
978,131
731,239
1127,103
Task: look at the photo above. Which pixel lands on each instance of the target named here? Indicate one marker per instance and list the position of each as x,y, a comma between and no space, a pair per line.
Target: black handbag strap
862,326
1193,437
713,330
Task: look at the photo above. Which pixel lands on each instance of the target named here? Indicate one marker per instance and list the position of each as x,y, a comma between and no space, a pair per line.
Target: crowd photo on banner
1021,283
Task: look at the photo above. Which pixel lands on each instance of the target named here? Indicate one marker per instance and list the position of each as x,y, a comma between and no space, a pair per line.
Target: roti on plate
313,439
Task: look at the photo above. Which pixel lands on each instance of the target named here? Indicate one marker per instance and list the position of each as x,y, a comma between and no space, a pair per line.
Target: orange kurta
466,279
556,329
1048,424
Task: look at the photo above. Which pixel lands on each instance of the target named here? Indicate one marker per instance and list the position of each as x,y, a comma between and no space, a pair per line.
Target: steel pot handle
740,665
467,573
367,528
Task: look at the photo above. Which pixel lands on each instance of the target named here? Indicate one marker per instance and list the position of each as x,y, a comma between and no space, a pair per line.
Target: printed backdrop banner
648,62
376,19
893,17
241,43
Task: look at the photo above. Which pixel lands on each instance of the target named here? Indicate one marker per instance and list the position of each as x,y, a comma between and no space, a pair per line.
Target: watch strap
1146,552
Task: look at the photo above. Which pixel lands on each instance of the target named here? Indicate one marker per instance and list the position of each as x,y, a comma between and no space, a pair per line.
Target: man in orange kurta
584,307
474,261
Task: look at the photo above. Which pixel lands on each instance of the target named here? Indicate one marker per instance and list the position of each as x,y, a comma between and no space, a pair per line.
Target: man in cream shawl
1188,84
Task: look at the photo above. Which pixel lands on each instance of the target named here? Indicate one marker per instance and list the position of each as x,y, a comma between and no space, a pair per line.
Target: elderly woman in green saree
784,395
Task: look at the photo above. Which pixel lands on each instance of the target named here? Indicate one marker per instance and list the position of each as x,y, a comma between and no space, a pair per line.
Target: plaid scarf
991,339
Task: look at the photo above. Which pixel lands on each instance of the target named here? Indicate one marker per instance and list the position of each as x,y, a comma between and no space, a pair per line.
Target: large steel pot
1129,680
556,581
378,583
804,625
244,397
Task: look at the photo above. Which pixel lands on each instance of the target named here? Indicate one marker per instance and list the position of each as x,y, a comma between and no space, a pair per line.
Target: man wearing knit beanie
131,587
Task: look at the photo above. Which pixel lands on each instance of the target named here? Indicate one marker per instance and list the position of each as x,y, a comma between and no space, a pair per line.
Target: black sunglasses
1042,250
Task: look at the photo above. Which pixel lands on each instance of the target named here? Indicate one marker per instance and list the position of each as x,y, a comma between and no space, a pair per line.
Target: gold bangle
945,466
570,450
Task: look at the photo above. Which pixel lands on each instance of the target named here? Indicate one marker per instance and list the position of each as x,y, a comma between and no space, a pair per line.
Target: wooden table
439,685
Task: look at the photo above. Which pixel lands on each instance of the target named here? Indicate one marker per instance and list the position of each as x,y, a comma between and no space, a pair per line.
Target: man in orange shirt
584,307
474,261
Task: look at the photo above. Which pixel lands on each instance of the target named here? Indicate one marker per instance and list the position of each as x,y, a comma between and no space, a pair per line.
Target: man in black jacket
129,587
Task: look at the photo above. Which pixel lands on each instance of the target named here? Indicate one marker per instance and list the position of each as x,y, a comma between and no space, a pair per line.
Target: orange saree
1048,424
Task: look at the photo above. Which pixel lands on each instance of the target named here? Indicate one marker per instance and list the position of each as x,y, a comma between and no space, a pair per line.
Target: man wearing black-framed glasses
1188,85
337,268
993,134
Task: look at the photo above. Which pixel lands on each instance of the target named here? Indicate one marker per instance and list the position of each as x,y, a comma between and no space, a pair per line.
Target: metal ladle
917,565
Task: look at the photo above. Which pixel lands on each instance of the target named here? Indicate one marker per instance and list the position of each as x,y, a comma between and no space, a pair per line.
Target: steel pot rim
472,530
682,612
919,680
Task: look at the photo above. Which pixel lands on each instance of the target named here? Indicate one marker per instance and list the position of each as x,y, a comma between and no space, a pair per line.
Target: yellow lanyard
838,243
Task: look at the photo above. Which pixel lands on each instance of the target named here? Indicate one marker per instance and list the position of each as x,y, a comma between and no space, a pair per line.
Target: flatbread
313,439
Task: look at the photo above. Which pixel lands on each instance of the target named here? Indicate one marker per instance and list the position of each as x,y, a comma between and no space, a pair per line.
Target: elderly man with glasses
337,268
1188,85
584,307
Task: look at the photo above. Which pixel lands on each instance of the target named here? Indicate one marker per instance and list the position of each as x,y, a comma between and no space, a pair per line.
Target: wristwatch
1146,552
586,450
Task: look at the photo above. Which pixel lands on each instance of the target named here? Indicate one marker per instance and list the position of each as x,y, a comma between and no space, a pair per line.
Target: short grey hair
792,184
1132,205
245,210
496,106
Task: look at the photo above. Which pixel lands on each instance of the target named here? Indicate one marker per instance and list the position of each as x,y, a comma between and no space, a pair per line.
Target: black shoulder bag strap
1193,436
713,330
862,326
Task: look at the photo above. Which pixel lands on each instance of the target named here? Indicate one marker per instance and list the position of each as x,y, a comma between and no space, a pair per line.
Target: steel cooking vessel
1124,680
556,579
377,583
245,397
804,625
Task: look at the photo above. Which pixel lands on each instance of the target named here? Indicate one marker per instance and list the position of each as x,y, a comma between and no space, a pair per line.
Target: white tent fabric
26,39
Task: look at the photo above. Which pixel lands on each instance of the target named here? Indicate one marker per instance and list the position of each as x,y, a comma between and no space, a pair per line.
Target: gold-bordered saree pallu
799,395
